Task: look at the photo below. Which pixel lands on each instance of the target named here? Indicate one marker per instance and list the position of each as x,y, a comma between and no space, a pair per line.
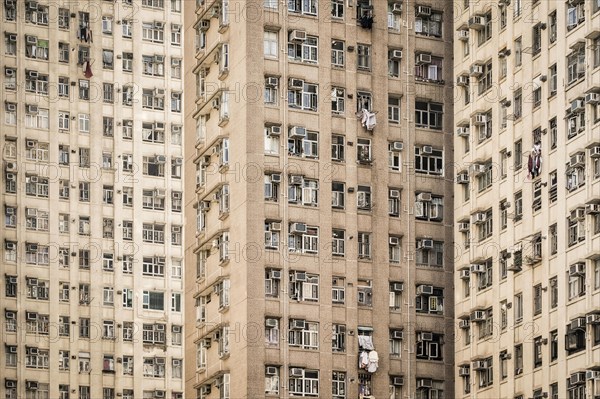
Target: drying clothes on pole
368,119
88,70
534,162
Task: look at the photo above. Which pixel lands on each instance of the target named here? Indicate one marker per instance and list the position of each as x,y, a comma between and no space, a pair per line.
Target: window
272,184
429,161
486,79
429,346
552,27
428,22
575,336
271,46
272,331
36,118
394,58
153,31
272,235
537,39
272,283
337,9
394,109
303,238
363,54
338,290
485,374
518,362
576,280
429,253
338,381
338,101
518,305
303,192
303,50
575,15
429,115
272,380
303,95
576,65
596,53
303,334
337,148
518,46
553,283
429,207
154,367
175,35
108,332
429,300
485,34
304,7
428,68
338,53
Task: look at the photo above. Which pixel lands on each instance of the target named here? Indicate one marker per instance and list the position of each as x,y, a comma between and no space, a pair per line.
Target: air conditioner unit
425,336
478,315
577,378
396,55
424,59
11,107
205,205
275,274
296,372
32,109
592,375
216,103
297,228
275,226
424,197
478,218
578,323
577,105
463,131
424,383
270,370
31,39
427,149
425,244
206,160
465,274
33,351
297,132
462,178
394,194
275,178
10,246
577,160
476,70
464,323
296,179
397,146
31,385
397,381
204,25
463,34
423,11
11,167
398,287
11,383
480,119
394,241
462,80
479,365
424,290
161,158
31,212
159,126
300,276
159,59
271,81
9,72
593,318
464,371
274,130
577,269
477,22
159,25
205,389
271,323
397,8
578,214
592,98
298,324
206,343
159,394
477,268
397,334
295,84
297,36
159,93
463,227
595,152
159,360
591,209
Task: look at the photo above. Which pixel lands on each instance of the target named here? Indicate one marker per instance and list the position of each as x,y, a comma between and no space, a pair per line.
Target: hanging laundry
368,119
534,161
363,360
88,70
373,362
366,22
365,342
85,33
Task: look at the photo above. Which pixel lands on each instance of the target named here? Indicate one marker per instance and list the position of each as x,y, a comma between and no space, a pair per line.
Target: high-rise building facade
320,180
527,199
92,255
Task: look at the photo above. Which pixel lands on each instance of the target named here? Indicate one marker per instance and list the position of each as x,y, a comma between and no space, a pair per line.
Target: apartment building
527,209
320,178
92,254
